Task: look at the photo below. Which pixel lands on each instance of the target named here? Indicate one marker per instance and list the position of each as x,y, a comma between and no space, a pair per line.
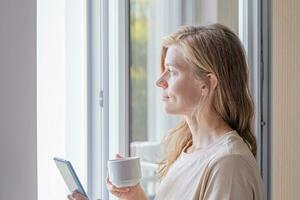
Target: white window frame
114,86
118,77
114,89
94,111
107,89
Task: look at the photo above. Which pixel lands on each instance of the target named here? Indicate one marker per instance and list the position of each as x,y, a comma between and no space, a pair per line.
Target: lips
165,97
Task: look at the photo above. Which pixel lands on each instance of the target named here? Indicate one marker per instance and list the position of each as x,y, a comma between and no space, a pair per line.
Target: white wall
18,160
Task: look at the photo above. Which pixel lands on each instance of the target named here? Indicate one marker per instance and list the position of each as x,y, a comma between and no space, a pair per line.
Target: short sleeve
229,179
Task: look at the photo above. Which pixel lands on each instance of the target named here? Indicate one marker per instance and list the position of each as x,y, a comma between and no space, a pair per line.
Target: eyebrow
171,64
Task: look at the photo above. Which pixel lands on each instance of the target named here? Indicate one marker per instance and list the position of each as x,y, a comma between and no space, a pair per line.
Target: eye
171,72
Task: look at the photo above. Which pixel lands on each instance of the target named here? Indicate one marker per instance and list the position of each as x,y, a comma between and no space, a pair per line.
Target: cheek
189,97
184,92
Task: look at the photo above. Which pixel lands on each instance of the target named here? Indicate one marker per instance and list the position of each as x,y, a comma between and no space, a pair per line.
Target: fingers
113,188
70,197
118,192
76,196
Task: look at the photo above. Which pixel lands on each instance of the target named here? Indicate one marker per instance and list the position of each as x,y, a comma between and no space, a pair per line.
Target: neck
207,129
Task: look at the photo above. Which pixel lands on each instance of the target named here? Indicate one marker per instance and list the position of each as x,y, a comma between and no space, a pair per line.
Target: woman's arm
127,193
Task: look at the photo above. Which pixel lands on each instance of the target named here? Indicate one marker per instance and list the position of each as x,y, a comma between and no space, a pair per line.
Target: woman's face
181,91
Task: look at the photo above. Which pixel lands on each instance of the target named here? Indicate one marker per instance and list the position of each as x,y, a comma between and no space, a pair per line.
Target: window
107,52
150,20
62,93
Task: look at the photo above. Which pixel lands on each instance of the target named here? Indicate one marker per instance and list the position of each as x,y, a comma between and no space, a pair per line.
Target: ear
213,81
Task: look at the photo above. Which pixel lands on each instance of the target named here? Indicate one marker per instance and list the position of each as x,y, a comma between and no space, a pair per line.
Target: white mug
124,172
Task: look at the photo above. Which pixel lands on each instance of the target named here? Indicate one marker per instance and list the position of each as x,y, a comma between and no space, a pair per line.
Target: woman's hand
76,196
126,193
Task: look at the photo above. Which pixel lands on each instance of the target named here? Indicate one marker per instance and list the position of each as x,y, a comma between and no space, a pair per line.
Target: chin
172,111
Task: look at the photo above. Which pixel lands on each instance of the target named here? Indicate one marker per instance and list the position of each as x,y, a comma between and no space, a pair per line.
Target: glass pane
61,93
150,20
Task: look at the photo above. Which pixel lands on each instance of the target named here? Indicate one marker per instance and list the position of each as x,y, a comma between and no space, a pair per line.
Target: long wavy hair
212,49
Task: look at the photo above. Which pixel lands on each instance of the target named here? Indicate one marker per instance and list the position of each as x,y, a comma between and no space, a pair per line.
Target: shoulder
229,161
233,166
231,177
223,170
233,152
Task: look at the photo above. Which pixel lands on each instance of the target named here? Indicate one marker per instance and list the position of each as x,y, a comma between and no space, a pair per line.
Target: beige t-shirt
224,170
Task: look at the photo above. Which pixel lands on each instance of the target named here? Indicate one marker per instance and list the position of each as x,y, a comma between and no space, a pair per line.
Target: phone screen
68,173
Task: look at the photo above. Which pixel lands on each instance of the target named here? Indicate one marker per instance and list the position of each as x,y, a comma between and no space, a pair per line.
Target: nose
161,83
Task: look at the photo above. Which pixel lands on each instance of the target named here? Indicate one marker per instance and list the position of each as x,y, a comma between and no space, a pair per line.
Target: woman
211,153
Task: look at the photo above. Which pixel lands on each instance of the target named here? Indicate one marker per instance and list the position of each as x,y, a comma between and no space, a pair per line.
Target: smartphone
68,173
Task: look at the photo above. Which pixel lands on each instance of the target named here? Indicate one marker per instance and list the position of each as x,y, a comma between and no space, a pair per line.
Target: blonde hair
212,49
